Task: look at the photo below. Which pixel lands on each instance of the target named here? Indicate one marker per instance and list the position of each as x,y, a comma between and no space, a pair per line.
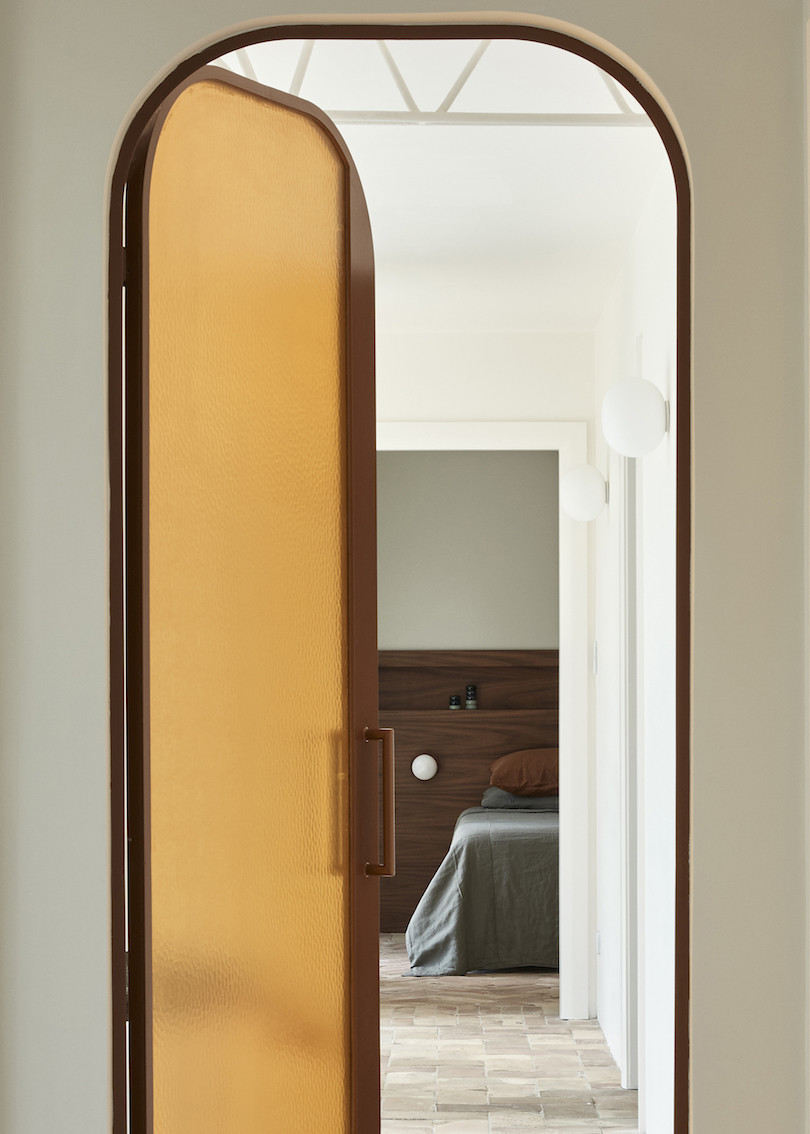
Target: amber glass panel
247,620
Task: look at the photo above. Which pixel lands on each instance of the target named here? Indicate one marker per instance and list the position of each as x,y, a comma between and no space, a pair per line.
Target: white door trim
629,757
577,882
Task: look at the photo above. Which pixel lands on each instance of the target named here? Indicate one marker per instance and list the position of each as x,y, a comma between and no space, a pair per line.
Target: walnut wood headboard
517,708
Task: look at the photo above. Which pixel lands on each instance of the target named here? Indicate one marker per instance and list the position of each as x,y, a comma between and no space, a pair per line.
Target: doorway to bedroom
468,613
468,634
496,306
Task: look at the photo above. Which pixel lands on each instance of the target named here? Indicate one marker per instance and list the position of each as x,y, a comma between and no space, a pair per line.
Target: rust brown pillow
531,771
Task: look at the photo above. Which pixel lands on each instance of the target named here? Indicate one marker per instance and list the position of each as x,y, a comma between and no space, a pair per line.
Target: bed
493,902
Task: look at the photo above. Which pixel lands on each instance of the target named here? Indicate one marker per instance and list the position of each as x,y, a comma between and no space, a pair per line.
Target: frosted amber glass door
248,729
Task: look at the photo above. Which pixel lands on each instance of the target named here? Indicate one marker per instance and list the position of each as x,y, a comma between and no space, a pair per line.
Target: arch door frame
549,32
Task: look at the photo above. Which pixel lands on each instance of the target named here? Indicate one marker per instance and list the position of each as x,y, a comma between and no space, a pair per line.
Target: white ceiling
504,180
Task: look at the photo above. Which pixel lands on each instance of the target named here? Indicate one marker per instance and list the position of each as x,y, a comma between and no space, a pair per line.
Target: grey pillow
497,797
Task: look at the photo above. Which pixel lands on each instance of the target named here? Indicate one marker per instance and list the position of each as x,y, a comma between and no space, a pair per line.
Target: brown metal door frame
361,525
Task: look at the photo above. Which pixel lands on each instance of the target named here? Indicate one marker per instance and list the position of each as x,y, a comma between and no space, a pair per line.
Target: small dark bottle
471,697
455,701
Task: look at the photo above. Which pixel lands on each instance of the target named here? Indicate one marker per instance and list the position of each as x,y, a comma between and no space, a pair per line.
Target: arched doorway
123,178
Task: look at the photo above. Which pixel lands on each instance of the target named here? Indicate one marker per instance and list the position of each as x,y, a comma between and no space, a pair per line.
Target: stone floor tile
396,1126
509,1064
468,1070
514,1103
565,1126
575,1126
516,1120
461,1083
515,1099
407,1090
461,1098
605,1075
615,1100
400,1077
481,1106
412,1067
559,1083
595,1057
573,1090
573,1109
555,1064
409,1118
410,1102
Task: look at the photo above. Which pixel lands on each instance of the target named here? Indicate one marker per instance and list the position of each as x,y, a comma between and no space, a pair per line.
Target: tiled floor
488,1053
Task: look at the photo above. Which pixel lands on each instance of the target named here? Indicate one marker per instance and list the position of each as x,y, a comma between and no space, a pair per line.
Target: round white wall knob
424,767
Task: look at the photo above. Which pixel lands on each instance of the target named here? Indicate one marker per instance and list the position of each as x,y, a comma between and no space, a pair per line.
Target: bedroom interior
467,593
527,297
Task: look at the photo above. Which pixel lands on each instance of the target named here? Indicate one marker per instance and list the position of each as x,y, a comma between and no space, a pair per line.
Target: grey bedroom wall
467,550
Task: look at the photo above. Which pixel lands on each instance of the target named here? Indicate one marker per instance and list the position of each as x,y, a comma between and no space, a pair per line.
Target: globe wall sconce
635,417
583,492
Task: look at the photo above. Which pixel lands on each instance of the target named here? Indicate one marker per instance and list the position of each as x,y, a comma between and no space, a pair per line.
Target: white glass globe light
634,417
583,492
424,767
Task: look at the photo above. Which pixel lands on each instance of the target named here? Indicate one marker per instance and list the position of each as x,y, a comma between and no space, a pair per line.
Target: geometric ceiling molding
462,82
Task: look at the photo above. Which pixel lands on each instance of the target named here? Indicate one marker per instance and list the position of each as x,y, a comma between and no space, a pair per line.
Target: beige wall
732,73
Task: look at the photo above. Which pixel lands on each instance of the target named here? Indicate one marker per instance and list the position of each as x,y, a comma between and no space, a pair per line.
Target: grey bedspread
492,904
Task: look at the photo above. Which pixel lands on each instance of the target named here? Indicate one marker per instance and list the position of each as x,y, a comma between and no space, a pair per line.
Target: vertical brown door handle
386,868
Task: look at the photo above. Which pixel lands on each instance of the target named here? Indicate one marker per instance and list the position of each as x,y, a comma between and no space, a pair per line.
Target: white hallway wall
482,373
69,77
636,338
